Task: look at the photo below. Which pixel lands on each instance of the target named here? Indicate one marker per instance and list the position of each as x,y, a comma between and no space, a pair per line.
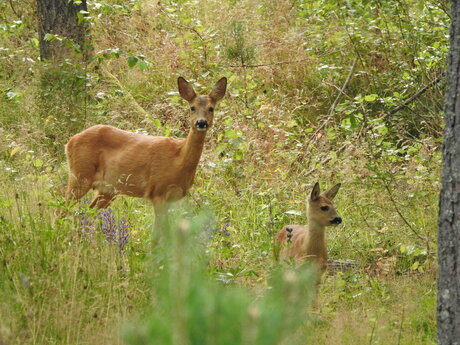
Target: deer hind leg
102,200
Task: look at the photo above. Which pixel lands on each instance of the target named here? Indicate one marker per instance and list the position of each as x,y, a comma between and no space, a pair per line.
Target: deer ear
314,196
185,89
332,192
219,90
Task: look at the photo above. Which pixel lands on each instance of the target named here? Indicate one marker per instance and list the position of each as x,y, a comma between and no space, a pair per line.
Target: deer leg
161,214
102,200
76,188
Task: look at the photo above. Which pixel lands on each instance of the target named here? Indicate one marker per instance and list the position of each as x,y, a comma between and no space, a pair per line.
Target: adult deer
307,243
161,169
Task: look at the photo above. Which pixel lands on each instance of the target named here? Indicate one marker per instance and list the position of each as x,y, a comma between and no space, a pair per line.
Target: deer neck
192,149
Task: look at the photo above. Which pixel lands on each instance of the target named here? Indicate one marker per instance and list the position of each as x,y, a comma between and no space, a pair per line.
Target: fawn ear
332,192
219,90
185,89
314,196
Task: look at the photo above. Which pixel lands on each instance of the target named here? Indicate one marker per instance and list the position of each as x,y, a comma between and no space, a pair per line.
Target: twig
331,109
270,210
195,31
401,327
268,64
344,86
386,185
398,211
324,161
413,97
373,332
14,11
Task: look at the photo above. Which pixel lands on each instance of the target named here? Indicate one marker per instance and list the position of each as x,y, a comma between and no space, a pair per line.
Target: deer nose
336,220
201,125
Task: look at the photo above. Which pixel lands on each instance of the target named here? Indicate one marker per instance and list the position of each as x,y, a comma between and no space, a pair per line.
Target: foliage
191,309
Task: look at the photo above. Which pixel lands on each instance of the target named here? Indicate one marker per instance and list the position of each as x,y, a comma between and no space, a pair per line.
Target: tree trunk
59,17
448,307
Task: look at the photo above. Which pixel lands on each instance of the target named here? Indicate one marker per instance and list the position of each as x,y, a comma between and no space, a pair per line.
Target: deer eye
211,109
324,208
192,108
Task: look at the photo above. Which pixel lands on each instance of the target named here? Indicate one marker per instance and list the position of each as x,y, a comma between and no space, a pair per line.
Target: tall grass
190,308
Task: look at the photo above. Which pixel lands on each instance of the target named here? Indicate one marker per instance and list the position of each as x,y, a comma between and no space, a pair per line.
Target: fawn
161,169
307,243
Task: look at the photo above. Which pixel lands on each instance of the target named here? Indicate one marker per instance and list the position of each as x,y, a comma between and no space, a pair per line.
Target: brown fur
161,169
308,242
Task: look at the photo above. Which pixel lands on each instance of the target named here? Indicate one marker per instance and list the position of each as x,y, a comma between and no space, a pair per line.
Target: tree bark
59,17
448,306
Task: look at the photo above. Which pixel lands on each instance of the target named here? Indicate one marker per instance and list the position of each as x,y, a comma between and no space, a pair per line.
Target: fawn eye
324,208
211,109
192,108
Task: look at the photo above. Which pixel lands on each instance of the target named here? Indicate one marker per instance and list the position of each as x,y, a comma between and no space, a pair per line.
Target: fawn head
320,207
202,107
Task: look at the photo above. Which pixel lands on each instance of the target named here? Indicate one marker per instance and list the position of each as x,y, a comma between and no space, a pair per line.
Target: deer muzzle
201,125
336,220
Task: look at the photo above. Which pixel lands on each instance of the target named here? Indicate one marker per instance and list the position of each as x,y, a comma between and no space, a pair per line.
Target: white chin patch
199,129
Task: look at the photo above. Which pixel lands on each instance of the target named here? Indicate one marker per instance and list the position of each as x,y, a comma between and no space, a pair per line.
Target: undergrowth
315,94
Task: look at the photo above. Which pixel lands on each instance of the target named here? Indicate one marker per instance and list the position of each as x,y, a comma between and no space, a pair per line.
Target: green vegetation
313,88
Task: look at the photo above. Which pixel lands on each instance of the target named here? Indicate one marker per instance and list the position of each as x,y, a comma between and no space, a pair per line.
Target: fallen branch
413,97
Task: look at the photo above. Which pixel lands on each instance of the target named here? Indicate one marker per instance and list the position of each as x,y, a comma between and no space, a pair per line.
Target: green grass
274,136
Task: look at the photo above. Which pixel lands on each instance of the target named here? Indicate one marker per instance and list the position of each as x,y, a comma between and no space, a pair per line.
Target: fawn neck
315,243
192,149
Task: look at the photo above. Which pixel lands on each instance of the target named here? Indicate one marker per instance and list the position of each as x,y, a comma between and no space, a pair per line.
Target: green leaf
239,155
80,17
382,129
143,65
132,61
34,42
291,123
403,249
232,134
157,123
371,97
49,37
221,148
38,163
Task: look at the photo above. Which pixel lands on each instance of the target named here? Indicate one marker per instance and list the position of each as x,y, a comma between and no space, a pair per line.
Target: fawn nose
201,125
336,220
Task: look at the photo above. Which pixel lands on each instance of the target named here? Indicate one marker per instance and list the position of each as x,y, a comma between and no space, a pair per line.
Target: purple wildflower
123,234
114,231
224,230
211,228
87,225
